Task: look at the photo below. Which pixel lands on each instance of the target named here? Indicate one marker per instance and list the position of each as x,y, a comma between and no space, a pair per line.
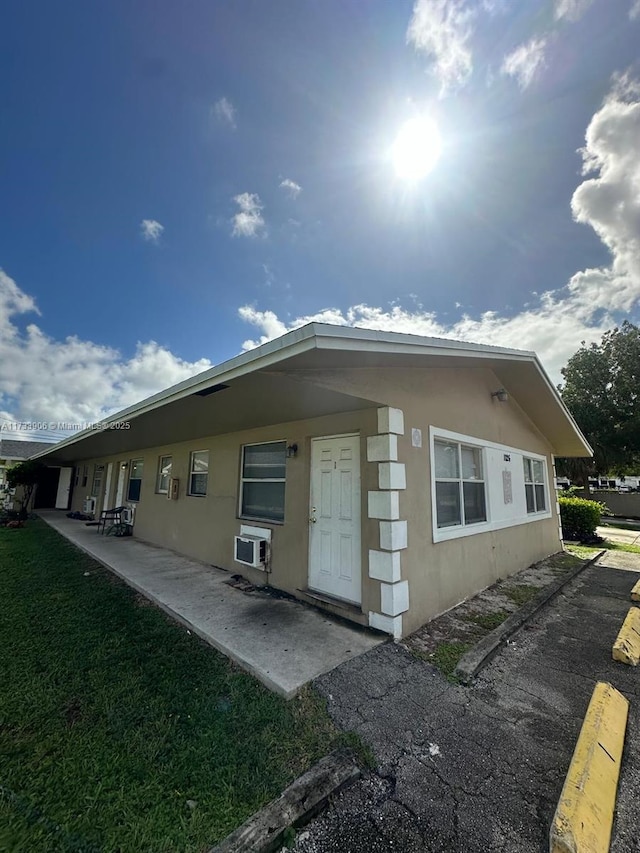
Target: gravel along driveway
481,768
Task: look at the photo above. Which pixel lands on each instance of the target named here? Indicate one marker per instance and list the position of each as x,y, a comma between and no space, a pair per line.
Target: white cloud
225,112
634,12
151,230
291,187
556,323
610,201
553,329
571,10
73,380
248,221
442,29
495,7
525,61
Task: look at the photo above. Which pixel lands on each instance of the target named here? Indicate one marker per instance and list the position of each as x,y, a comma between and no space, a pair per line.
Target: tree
602,391
26,475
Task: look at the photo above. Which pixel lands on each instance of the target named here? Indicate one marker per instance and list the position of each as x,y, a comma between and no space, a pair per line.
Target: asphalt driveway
481,768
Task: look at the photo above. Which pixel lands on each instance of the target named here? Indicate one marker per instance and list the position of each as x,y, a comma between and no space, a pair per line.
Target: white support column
553,467
384,505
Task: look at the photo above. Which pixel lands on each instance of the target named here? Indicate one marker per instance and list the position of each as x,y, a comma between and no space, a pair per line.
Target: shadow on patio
281,642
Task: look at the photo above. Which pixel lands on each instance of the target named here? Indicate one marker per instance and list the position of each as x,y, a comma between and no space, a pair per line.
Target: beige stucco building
382,476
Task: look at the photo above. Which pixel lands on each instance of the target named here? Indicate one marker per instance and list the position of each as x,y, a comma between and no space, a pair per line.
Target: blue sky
180,181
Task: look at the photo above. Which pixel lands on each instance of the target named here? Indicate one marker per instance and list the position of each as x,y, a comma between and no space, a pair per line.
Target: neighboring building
391,475
12,452
628,483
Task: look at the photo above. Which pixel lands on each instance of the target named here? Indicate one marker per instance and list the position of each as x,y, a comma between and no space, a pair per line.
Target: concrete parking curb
635,592
626,648
584,815
472,661
264,831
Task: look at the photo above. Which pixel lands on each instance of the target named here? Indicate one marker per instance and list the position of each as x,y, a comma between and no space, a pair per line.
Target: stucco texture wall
442,574
204,527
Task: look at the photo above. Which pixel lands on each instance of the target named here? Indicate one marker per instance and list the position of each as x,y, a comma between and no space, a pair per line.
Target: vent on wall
212,390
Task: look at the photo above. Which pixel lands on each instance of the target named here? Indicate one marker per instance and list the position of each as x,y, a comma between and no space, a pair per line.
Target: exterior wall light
124,466
292,450
501,394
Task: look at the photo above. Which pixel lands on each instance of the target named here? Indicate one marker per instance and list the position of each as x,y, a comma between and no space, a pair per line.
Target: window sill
444,534
261,520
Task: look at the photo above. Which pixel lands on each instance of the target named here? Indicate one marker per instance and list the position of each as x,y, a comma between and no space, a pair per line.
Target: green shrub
580,518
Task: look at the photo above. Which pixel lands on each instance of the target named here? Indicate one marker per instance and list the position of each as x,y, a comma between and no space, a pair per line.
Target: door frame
339,435
121,481
106,492
62,476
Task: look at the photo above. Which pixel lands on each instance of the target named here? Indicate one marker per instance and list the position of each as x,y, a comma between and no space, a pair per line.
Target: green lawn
521,593
119,731
585,552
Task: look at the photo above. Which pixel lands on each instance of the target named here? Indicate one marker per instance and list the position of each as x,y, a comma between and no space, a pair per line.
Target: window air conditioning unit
127,515
250,551
89,506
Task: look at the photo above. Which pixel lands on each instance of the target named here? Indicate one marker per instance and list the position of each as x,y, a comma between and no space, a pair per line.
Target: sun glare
417,149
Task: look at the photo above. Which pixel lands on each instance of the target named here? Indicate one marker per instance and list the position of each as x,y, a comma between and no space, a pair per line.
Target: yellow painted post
584,815
626,648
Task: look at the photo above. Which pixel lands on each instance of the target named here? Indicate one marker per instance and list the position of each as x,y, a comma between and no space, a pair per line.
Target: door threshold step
349,606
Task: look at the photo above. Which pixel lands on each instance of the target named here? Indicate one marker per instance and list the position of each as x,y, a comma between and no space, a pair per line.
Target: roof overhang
259,386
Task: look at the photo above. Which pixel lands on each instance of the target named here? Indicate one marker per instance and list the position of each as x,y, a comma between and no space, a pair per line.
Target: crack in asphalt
503,746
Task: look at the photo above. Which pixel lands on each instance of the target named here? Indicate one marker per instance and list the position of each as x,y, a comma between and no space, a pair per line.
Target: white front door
64,487
122,474
334,517
107,487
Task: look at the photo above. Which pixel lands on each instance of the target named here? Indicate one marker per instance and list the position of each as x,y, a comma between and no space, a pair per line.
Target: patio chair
116,521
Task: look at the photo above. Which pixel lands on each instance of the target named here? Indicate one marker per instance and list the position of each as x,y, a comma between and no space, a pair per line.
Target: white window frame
244,480
98,475
535,483
131,479
159,489
192,472
443,534
460,481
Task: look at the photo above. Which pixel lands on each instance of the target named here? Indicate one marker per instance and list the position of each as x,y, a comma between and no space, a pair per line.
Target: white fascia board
561,403
320,336
347,338
233,369
395,342
311,336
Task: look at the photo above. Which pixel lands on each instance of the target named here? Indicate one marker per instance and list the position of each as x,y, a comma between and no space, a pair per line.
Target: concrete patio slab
620,560
281,642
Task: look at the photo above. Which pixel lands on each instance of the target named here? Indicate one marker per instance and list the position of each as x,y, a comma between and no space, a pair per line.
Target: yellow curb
635,592
626,648
584,816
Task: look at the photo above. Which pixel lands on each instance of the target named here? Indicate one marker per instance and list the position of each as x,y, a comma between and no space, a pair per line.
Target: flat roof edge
357,333
318,336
